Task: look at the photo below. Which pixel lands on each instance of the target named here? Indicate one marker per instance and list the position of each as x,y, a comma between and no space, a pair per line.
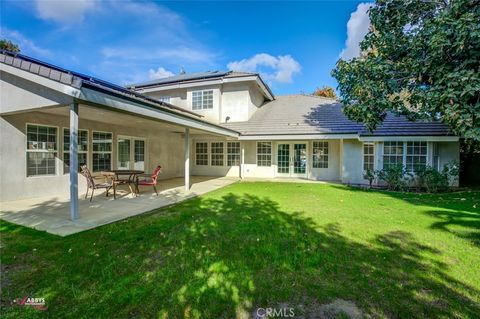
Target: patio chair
92,184
148,179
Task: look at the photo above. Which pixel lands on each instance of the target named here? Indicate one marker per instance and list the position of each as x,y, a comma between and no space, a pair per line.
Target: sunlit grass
258,245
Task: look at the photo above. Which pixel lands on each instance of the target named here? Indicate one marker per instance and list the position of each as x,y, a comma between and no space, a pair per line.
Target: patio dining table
122,176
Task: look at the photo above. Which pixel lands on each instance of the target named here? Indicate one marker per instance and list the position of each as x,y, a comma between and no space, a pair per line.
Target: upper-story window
165,99
202,100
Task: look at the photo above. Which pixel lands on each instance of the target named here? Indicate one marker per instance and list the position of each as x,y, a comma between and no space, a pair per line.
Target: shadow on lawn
222,258
458,212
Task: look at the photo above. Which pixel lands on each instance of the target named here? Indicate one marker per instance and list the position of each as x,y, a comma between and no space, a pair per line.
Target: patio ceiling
102,115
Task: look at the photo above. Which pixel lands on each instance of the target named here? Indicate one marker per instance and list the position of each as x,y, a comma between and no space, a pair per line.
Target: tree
325,91
9,46
420,59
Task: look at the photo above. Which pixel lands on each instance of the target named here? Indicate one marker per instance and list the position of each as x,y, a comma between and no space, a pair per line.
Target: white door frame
291,159
132,150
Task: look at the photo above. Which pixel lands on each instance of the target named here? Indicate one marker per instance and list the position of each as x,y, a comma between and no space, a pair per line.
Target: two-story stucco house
212,123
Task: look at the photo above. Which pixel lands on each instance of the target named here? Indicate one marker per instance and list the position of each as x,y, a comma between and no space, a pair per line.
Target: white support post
187,159
242,161
74,161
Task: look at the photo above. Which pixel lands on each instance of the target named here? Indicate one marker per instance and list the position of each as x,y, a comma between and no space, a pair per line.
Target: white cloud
283,67
64,11
26,45
357,28
160,73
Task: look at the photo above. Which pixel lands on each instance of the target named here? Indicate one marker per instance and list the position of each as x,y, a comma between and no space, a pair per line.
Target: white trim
296,137
57,159
205,82
132,150
363,155
408,138
97,152
211,153
271,154
202,106
78,151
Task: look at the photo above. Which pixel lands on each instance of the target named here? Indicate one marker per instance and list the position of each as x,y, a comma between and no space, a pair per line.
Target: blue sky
294,45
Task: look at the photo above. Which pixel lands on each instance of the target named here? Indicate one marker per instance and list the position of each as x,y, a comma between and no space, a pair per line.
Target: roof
79,80
306,114
198,77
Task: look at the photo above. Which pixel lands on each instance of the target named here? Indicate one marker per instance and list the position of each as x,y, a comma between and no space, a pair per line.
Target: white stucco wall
352,161
162,148
332,173
238,101
18,94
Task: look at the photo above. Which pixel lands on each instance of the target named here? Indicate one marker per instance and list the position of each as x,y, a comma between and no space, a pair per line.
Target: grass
249,245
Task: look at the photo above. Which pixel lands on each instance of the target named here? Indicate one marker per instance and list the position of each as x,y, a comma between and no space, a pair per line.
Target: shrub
369,175
435,181
395,176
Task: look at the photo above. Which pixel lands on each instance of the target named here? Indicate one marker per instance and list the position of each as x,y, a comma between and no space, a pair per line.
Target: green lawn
395,255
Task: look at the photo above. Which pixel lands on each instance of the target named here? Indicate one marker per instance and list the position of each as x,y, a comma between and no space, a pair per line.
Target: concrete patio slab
52,214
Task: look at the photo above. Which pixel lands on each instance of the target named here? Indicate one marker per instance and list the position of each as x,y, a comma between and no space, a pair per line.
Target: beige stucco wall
352,161
18,94
238,101
162,148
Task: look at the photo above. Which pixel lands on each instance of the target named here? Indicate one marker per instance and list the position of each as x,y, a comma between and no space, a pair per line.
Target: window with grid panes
233,153
41,150
320,155
264,153
201,153
216,151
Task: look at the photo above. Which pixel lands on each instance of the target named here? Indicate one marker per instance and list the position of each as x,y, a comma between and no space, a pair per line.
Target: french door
130,153
292,159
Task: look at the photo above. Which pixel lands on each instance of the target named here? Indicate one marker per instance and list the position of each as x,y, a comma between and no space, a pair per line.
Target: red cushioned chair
148,179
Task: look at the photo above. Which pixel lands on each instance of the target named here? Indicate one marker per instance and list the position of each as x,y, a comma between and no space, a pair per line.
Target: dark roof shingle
306,114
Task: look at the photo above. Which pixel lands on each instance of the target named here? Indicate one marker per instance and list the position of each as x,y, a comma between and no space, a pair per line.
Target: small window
392,154
165,99
368,156
101,151
320,155
233,153
202,100
217,153
201,153
82,149
416,156
41,150
264,153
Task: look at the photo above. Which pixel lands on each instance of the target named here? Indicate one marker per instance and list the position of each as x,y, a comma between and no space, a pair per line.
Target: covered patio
56,121
52,214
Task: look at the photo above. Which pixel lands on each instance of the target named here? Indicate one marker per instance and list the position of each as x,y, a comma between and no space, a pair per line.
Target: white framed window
165,99
82,141
233,153
264,153
435,157
412,155
202,100
320,154
130,153
416,156
201,153
392,154
101,151
368,156
217,153
41,150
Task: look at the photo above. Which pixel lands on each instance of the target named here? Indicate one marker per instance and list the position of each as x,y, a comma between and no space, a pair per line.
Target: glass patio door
130,153
292,159
299,159
283,159
123,153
